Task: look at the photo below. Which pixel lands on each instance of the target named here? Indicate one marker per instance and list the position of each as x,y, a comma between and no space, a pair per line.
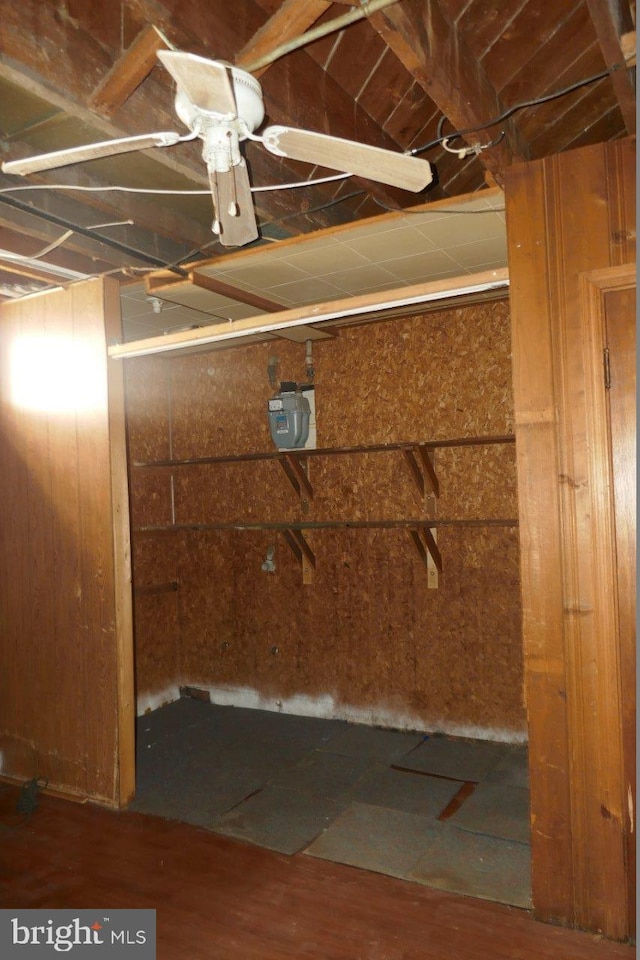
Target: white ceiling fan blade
206,82
372,163
91,151
233,205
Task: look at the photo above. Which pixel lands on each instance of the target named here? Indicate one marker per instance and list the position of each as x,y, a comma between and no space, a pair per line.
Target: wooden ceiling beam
612,19
129,70
299,93
428,44
291,19
75,64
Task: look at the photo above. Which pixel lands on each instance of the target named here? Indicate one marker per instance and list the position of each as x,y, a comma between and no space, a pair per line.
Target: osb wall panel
148,397
156,615
367,632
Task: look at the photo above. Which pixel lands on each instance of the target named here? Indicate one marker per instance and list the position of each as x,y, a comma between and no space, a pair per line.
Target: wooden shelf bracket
420,463
296,470
428,552
302,552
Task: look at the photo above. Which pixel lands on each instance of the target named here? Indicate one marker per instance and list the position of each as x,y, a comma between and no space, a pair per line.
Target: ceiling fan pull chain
233,209
216,226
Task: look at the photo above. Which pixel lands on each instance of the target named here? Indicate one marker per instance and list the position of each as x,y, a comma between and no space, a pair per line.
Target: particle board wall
571,228
367,639
66,686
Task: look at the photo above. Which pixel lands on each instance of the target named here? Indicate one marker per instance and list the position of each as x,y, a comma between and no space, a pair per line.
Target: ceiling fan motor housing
249,107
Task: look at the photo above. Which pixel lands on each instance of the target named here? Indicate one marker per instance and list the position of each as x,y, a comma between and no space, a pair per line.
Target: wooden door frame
601,817
570,223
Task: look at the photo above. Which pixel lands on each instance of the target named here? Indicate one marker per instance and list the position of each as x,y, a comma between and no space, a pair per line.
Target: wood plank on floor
217,897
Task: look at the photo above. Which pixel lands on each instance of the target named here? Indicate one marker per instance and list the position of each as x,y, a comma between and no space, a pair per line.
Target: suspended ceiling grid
451,239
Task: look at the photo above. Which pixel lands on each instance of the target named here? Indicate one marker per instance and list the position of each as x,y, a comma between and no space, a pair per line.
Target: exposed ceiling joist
75,62
431,48
461,60
129,70
291,19
612,19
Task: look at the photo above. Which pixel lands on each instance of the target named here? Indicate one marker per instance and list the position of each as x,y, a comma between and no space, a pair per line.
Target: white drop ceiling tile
305,291
422,266
173,324
136,331
222,273
133,291
389,245
371,227
460,228
142,311
130,309
320,262
199,299
493,250
371,277
282,250
266,275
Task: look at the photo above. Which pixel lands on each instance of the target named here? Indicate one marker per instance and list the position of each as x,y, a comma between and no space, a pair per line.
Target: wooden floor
218,898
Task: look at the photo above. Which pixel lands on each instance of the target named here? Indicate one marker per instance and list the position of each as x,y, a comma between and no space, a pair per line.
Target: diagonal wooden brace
427,548
297,476
426,456
128,72
422,470
302,552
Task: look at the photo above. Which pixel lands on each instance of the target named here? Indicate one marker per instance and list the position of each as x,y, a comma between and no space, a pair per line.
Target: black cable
276,221
511,110
323,206
87,232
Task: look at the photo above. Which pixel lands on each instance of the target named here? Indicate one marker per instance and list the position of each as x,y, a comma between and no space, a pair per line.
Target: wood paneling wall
568,217
66,686
367,635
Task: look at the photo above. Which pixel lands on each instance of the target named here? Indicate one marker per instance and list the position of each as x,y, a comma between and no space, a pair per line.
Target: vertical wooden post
566,216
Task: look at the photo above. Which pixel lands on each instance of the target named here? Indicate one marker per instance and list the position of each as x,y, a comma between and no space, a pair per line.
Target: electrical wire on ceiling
440,139
172,193
291,216
83,231
175,266
69,233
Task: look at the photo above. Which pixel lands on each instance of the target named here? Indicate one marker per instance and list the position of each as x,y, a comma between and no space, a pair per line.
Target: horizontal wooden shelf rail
419,458
418,530
303,452
328,525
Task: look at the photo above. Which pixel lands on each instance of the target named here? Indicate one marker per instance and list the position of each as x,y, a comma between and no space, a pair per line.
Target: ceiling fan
222,105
